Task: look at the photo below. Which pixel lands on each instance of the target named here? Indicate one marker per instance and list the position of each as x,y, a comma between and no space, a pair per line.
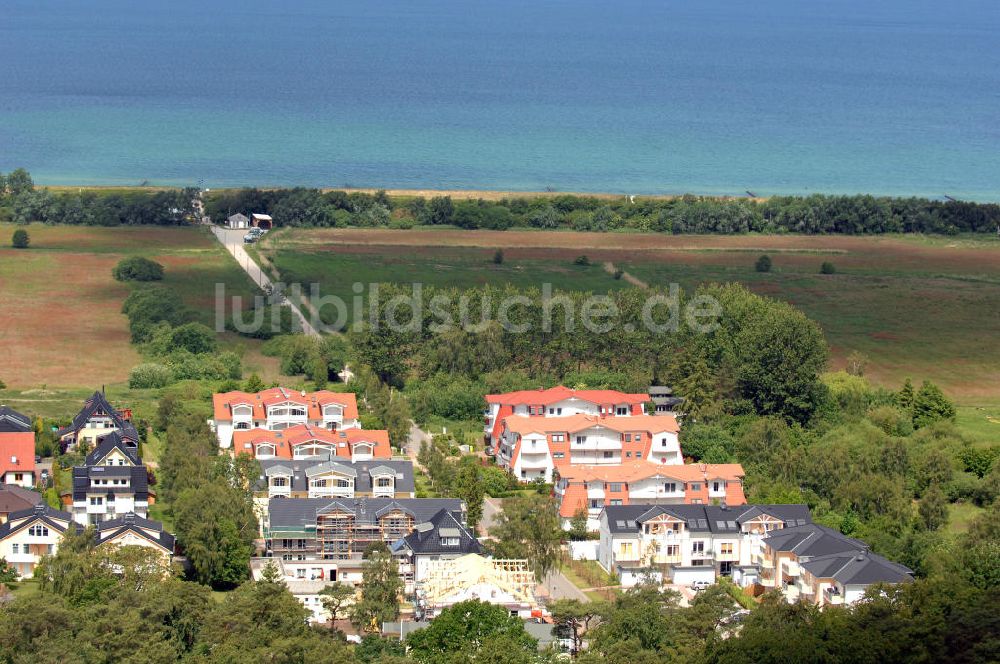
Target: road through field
232,240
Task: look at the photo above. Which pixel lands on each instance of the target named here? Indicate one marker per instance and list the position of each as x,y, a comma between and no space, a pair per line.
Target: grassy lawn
573,569
26,588
960,515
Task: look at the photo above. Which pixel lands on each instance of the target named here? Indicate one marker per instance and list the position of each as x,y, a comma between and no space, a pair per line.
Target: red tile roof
524,424
313,401
17,452
286,440
553,394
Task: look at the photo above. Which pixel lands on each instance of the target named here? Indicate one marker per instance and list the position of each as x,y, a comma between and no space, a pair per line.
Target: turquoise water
656,96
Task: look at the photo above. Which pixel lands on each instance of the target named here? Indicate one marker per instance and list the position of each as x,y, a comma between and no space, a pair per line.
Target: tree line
22,202
814,214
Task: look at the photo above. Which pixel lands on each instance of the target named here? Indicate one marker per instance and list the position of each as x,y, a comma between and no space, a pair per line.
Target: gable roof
98,403
55,519
427,535
133,523
110,442
245,441
544,397
362,471
14,498
17,452
12,421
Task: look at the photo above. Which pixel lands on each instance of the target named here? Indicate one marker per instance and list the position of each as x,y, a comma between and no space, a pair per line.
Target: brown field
62,321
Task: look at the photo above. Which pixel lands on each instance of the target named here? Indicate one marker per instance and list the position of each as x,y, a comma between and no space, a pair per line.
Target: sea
896,97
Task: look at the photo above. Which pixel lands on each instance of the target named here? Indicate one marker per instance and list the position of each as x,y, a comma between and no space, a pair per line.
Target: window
15,548
595,503
615,487
715,486
638,438
96,500
698,547
449,541
726,548
558,455
558,437
242,426
343,484
552,411
383,482
279,481
18,477
627,437
673,550
670,487
558,411
628,455
663,442
319,484
580,440
616,501
38,531
621,410
608,455
695,486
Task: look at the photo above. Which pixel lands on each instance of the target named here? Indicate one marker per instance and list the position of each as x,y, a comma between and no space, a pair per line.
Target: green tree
763,264
19,182
319,372
137,268
194,338
216,527
931,405
470,489
577,617
335,598
827,268
933,508
462,632
253,384
380,590
498,257
904,398
528,527
578,525
20,239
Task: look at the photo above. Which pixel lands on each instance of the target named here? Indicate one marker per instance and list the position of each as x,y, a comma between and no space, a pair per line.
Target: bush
619,272
20,239
498,257
195,338
827,268
581,260
137,268
149,375
763,264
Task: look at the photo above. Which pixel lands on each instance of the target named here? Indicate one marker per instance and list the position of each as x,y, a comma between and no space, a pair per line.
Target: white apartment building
557,402
113,482
279,408
534,447
30,534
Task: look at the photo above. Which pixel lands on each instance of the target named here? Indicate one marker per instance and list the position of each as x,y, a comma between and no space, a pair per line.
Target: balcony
832,596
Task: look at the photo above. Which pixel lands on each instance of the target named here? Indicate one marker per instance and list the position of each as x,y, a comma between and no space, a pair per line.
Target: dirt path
232,241
610,268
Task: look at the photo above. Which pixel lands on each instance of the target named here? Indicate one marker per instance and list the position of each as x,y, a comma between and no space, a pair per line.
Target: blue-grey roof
364,470
426,536
110,442
300,512
857,568
83,475
703,518
812,540
132,522
12,421
98,403
39,513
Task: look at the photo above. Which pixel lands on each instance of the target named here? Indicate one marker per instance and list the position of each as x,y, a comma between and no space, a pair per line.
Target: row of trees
687,214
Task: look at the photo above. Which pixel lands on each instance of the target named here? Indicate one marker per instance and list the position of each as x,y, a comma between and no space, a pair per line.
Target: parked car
250,238
698,586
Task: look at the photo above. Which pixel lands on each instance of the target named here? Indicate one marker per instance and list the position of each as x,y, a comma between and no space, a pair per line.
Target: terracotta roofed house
280,408
533,447
305,441
17,448
592,488
557,401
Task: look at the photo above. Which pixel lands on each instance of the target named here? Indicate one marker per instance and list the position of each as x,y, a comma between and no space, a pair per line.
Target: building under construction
503,582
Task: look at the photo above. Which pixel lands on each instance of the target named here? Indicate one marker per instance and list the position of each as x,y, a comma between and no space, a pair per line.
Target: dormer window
241,426
279,481
450,541
383,482
265,450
